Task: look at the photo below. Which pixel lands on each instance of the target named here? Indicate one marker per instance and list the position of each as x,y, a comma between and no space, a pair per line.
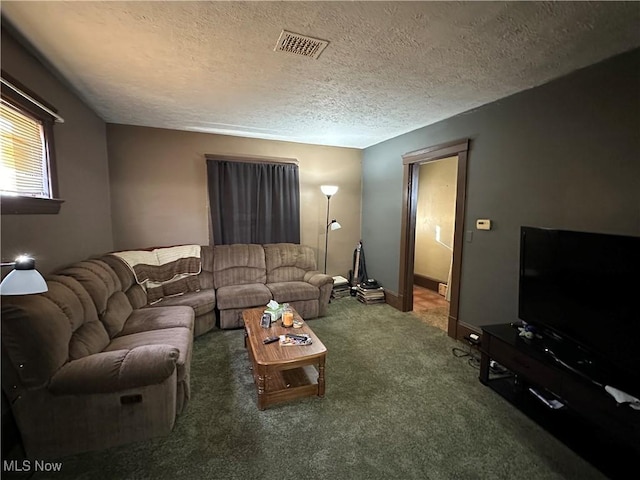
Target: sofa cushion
40,333
287,262
88,333
239,264
135,293
178,337
117,313
116,371
293,291
137,296
97,278
73,299
202,302
157,318
243,296
206,275
90,338
122,271
35,335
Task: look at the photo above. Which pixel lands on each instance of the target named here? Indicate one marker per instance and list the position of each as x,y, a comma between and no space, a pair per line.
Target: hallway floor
432,308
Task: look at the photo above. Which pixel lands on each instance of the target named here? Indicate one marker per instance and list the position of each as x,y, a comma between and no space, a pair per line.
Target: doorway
435,220
411,167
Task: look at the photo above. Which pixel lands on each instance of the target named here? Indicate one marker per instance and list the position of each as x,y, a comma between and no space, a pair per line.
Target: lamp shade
24,280
329,189
335,225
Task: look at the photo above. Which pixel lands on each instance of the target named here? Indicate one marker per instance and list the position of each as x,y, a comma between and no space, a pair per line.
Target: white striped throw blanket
165,272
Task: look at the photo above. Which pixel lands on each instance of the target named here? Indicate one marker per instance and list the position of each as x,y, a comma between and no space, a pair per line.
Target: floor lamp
329,191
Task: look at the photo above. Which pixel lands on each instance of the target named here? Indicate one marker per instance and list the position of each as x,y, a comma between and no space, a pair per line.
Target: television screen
584,288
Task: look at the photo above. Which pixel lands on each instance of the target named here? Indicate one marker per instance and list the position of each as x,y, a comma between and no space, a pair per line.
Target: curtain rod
250,158
33,100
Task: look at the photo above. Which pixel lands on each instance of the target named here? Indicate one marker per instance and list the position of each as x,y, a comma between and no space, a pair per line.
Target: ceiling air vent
300,45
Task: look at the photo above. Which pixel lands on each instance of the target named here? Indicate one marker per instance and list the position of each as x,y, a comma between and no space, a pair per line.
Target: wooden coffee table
283,372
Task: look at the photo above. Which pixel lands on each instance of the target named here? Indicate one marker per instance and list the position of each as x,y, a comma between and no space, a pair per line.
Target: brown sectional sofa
247,276
90,365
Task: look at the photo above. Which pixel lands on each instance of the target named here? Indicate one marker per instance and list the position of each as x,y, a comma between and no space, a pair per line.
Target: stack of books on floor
370,295
340,287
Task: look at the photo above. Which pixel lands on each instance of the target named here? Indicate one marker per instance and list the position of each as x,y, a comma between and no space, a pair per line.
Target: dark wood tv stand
591,422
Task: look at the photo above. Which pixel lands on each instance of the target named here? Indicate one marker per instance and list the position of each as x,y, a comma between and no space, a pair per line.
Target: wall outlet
473,339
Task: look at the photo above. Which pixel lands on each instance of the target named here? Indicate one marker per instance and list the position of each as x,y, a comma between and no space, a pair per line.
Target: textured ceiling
390,67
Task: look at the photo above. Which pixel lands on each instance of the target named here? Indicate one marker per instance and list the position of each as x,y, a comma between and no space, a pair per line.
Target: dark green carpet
398,405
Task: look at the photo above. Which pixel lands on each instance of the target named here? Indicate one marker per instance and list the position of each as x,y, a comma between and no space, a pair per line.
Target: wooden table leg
321,377
262,379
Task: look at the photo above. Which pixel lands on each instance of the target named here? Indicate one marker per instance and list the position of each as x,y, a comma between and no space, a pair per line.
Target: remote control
297,337
270,340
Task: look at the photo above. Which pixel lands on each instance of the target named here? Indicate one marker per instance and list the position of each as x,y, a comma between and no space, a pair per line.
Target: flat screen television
583,291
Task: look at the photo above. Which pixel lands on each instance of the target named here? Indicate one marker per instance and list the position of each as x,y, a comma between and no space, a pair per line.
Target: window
25,163
27,166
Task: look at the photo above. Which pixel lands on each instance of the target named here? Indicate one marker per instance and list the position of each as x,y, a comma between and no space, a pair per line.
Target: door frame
411,162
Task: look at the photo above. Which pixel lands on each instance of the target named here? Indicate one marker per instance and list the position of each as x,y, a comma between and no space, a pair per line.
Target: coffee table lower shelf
277,383
283,385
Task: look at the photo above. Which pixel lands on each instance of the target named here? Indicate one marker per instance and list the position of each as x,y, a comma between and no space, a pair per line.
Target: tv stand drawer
524,365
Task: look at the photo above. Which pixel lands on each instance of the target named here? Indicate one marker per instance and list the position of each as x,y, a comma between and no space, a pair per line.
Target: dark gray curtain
254,202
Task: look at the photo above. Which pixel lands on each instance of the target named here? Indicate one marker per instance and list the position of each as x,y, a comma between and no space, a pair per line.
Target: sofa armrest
114,371
318,279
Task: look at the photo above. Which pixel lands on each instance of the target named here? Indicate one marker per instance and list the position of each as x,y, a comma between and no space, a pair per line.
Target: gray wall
562,155
83,226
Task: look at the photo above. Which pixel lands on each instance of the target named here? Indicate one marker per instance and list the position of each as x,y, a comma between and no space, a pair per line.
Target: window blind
24,163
